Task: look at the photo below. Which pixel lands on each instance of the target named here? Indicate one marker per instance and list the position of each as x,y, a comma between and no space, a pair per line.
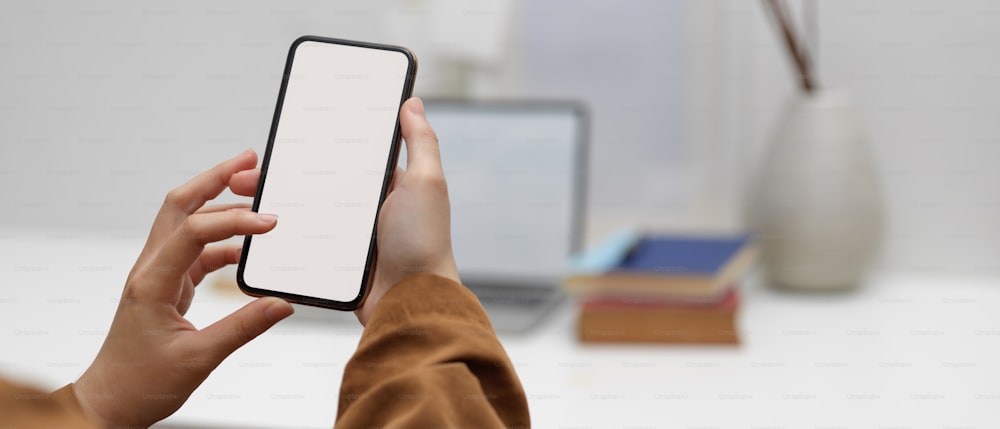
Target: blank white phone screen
326,170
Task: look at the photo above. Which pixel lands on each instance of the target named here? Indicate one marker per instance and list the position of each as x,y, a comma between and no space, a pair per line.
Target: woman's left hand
153,358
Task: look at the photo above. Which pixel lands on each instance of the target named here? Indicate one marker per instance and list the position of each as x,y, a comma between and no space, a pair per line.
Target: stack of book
650,288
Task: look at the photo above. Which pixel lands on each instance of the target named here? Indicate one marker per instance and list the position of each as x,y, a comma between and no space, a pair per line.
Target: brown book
653,320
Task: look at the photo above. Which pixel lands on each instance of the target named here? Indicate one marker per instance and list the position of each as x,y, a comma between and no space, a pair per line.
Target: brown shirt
427,358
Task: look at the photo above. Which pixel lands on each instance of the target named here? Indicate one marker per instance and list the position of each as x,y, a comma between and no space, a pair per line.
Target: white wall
104,107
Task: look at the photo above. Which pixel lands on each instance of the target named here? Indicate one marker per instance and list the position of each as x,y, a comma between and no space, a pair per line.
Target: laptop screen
514,174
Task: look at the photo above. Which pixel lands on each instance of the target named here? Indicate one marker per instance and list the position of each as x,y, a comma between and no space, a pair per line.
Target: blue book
681,267
681,255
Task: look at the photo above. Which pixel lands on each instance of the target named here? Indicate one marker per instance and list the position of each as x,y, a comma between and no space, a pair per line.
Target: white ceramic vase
815,207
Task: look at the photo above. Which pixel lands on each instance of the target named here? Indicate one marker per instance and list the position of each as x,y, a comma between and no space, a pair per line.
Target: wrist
84,392
386,279
447,269
426,295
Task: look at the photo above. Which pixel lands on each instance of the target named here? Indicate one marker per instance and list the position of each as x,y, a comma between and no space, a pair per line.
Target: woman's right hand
414,226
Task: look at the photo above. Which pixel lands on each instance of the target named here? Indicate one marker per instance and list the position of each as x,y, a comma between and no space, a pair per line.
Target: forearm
429,357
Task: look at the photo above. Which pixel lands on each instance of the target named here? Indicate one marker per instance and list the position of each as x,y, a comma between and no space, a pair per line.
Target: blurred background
106,106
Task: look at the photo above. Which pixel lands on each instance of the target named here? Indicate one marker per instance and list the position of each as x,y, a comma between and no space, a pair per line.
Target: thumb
222,338
423,155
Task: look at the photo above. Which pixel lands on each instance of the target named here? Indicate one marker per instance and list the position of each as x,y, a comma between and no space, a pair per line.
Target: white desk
904,352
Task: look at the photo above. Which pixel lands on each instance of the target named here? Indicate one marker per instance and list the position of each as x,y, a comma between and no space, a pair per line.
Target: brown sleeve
27,408
429,358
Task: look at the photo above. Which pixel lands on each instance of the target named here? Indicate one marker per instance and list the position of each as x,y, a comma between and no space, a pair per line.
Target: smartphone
331,153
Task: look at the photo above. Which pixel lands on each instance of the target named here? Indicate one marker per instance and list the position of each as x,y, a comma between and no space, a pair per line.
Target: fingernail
246,153
278,310
417,106
267,219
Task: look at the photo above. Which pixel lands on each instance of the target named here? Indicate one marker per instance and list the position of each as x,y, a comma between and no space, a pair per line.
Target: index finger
189,197
245,182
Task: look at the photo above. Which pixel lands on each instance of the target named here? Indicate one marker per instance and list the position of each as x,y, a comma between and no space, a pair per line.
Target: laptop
516,175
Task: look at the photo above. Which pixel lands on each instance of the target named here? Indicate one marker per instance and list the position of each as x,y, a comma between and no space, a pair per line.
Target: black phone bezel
391,163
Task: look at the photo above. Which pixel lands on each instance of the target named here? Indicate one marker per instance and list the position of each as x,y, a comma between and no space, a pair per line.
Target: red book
634,319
